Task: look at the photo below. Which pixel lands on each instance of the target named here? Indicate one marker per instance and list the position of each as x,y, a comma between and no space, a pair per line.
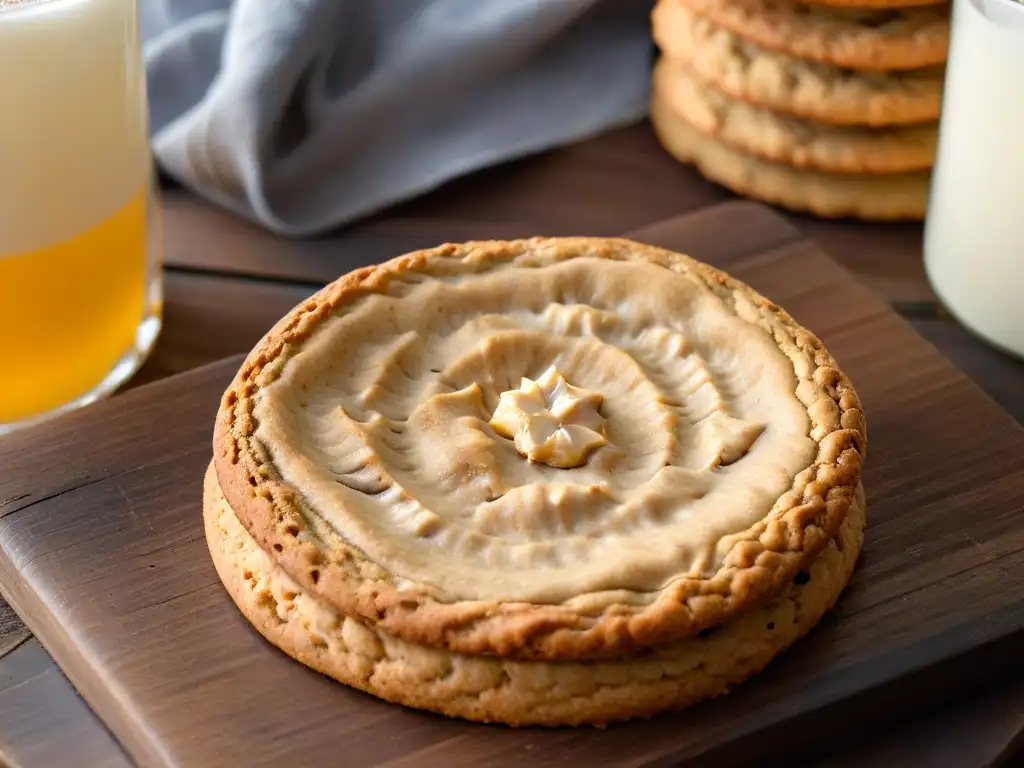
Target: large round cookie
879,4
882,197
543,449
790,140
813,91
491,689
858,38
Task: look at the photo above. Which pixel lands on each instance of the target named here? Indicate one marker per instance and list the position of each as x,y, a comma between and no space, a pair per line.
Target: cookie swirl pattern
354,447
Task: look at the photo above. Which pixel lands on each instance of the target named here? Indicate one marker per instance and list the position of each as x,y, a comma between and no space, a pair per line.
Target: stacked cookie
543,482
830,110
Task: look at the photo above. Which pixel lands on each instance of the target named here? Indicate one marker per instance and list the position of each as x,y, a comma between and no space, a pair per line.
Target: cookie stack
544,482
829,110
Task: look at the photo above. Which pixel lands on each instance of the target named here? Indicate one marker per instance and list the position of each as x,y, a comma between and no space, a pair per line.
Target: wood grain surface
44,722
924,742
101,549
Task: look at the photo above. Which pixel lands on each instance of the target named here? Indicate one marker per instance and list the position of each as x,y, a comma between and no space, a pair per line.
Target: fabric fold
304,115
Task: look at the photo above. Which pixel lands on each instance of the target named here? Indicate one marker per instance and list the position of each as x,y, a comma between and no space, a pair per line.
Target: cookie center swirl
551,421
538,429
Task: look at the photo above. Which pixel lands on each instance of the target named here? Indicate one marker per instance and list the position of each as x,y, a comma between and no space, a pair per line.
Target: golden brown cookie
883,197
859,38
864,4
365,446
492,689
810,90
790,140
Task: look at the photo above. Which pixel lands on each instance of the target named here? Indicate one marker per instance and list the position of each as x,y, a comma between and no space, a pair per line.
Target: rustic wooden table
227,282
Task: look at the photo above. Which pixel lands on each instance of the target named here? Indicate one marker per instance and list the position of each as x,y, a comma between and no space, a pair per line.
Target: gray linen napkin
307,114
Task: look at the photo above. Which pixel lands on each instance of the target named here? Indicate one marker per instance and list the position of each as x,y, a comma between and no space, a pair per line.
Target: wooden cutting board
102,552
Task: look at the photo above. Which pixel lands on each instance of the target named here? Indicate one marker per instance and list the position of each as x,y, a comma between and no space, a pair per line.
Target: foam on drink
75,175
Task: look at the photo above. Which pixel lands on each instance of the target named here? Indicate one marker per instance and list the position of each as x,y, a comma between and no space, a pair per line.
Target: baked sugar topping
551,421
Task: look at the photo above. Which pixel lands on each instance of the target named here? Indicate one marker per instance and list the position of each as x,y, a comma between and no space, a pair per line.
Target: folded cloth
307,114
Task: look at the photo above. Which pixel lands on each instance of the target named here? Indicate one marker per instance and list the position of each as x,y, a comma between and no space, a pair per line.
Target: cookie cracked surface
811,90
789,140
858,38
872,197
354,448
520,693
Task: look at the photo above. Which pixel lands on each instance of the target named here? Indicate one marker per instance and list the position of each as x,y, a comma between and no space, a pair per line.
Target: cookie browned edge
871,197
824,93
920,39
873,4
788,140
521,693
803,520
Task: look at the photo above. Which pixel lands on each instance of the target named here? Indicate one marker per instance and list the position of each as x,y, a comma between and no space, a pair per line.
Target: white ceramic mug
974,233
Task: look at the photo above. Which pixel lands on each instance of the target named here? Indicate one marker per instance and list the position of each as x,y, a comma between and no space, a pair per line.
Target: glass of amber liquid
80,290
